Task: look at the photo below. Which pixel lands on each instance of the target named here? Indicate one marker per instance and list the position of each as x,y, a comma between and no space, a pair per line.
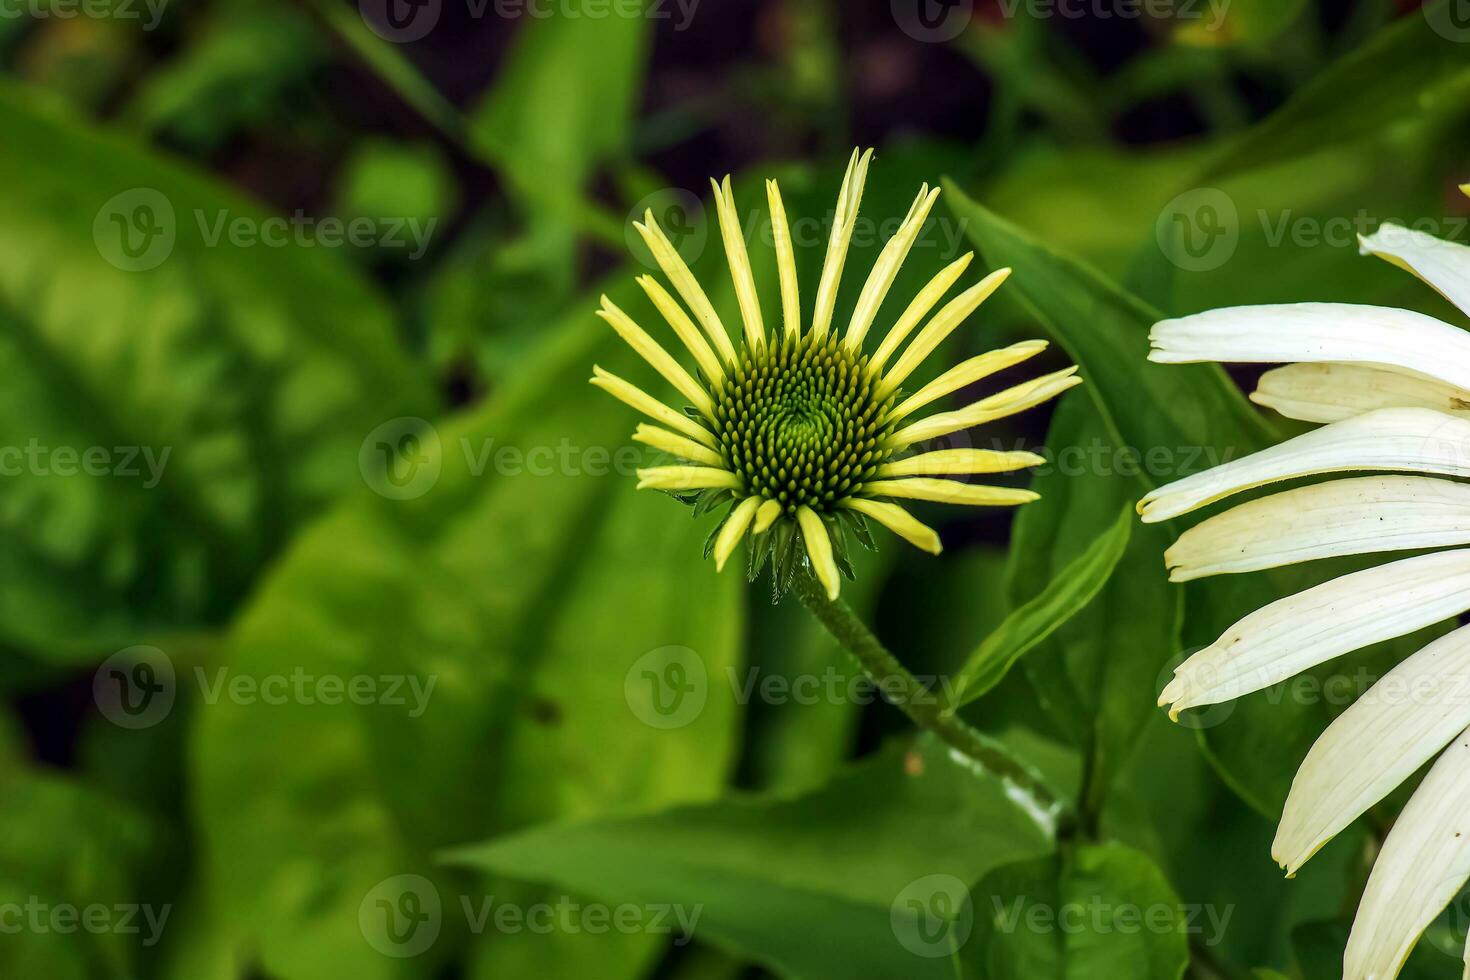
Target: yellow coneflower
800,431
1392,387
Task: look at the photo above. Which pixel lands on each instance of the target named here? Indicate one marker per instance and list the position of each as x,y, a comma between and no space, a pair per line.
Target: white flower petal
1398,725
1330,392
1424,863
1443,265
1414,439
1397,339
1343,517
1284,638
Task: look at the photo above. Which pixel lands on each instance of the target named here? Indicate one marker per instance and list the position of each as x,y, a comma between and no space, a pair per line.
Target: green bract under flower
803,435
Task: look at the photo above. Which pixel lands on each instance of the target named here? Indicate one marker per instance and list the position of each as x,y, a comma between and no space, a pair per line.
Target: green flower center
800,422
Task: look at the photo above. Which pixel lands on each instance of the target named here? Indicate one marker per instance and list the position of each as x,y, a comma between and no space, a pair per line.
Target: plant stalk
925,708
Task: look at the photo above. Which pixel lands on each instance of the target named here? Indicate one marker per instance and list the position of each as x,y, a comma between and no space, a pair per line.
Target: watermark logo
933,915
401,916
400,21
932,21
1450,20
1199,229
668,687
135,688
681,216
401,459
135,230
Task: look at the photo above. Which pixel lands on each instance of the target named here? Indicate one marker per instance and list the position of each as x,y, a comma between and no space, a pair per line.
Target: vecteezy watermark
39,917
137,687
148,11
1099,916
1200,229
403,458
1450,20
932,916
138,229
932,21
403,21
1210,12
37,459
679,214
669,687
402,917
1101,458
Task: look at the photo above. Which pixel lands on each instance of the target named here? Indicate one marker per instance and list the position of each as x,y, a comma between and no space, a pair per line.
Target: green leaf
820,885
223,389
1104,911
1412,66
1064,596
507,584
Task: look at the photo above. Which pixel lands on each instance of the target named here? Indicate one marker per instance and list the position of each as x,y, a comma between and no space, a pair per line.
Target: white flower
1393,388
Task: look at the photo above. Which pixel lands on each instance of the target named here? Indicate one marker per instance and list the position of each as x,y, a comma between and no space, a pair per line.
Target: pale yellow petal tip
1465,189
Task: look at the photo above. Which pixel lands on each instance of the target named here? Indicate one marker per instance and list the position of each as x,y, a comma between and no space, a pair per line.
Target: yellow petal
677,445
943,461
897,520
940,327
785,261
684,327
890,260
948,492
685,284
739,261
766,516
733,530
842,225
687,478
968,372
632,395
1023,396
652,352
919,308
819,551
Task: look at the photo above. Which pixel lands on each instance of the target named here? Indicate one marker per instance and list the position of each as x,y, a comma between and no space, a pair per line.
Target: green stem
925,708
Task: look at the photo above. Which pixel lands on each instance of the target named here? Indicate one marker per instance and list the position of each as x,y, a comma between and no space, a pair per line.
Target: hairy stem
925,708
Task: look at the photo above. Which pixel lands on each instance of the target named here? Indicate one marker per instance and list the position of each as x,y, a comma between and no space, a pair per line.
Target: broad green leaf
1408,68
67,858
1100,912
507,583
838,882
222,388
1064,596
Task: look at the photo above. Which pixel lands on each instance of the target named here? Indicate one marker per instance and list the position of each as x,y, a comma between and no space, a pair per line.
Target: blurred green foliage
320,294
